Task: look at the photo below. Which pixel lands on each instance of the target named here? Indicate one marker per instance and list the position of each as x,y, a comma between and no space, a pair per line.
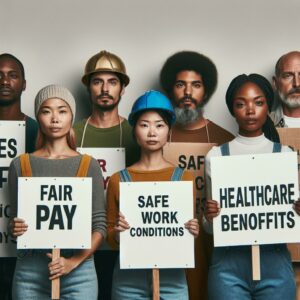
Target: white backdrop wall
54,39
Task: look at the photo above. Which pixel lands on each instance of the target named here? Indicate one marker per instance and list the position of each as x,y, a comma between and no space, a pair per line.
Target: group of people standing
188,79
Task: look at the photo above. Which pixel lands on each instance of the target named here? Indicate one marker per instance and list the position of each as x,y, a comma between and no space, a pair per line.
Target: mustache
105,95
183,99
294,90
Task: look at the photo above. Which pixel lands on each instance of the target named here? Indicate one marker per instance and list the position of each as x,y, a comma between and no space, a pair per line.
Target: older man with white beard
287,84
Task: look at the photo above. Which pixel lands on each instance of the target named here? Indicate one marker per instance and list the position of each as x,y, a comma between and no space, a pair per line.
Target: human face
188,90
55,118
188,97
287,82
151,131
105,90
12,83
250,109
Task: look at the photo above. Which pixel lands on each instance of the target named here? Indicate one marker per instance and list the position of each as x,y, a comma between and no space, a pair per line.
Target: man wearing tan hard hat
105,78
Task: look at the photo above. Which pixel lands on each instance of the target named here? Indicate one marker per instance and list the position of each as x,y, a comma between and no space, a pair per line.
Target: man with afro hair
190,79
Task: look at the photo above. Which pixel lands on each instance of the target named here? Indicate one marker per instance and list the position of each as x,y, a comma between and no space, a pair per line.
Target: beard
290,100
110,107
186,116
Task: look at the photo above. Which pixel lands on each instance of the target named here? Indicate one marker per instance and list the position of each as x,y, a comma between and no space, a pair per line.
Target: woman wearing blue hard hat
151,117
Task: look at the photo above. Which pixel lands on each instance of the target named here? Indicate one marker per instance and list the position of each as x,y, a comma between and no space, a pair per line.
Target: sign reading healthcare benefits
256,195
12,144
291,137
156,213
111,160
190,156
57,210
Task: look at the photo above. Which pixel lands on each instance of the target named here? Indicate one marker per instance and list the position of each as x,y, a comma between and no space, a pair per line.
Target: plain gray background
54,39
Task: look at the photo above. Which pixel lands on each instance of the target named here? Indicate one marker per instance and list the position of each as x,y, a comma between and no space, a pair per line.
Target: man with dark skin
189,79
287,85
12,85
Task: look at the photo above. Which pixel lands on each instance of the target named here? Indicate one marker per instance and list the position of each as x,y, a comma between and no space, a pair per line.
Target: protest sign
156,213
57,210
12,144
190,156
111,160
291,137
256,195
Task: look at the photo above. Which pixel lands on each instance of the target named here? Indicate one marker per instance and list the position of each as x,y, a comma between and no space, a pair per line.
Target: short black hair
189,61
10,56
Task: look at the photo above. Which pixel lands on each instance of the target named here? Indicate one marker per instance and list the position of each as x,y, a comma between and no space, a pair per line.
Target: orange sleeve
112,197
189,176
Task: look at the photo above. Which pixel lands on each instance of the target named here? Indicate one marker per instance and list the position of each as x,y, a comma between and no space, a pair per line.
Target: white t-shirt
239,146
291,122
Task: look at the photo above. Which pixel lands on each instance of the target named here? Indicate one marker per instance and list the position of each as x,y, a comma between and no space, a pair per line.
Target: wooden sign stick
155,284
55,292
255,262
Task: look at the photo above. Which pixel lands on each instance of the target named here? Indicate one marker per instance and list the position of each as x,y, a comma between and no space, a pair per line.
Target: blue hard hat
152,100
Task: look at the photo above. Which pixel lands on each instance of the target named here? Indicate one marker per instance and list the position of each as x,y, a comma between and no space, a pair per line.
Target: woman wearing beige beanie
56,156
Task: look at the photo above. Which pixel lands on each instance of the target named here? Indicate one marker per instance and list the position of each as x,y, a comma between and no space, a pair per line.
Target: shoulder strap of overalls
82,170
25,165
84,166
225,149
125,176
177,174
276,147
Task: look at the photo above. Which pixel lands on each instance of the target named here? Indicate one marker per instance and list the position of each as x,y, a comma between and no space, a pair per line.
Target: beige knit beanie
55,91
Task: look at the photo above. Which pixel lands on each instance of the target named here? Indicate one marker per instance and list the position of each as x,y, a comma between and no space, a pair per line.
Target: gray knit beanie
55,91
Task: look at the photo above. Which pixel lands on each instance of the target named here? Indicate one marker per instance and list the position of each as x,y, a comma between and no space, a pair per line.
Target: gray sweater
68,167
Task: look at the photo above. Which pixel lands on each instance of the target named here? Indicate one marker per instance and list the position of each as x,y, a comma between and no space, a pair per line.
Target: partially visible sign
156,213
190,156
12,144
256,195
111,160
57,210
291,137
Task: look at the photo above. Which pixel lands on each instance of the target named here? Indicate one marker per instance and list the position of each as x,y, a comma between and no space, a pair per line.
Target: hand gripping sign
256,195
156,213
12,144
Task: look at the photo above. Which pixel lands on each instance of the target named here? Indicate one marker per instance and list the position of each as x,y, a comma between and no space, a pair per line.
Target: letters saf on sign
156,213
57,210
12,144
256,195
291,137
190,156
111,160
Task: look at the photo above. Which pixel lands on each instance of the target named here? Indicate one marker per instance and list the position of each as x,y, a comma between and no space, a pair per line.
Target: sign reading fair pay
256,194
57,210
156,213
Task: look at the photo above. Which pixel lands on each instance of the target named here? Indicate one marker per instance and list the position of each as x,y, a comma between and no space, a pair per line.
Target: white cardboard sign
156,213
57,210
256,195
12,144
111,160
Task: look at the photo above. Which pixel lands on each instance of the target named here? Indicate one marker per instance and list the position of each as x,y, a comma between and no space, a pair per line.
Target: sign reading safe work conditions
256,195
57,210
156,213
12,144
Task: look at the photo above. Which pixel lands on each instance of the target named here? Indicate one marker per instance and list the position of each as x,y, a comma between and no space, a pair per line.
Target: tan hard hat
105,61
